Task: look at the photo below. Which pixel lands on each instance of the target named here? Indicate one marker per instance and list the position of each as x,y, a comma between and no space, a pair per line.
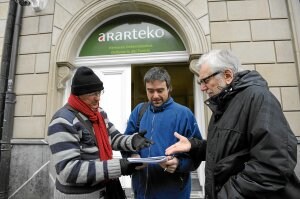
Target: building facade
41,48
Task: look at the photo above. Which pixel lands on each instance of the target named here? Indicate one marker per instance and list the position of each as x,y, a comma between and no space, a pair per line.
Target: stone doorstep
194,194
197,195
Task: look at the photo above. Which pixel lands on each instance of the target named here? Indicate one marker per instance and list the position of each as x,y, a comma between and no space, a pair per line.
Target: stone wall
261,32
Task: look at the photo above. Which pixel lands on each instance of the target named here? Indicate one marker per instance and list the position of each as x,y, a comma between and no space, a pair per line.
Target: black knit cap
85,81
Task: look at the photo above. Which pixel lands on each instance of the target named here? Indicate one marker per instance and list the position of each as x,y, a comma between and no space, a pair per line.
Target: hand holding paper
149,160
170,165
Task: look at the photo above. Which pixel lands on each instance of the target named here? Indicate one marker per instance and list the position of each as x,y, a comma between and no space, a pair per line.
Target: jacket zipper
147,176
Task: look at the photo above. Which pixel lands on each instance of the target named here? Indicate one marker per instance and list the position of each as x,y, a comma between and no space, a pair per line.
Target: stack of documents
156,159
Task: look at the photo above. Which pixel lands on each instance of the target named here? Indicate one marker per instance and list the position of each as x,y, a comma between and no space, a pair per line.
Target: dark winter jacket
161,123
250,149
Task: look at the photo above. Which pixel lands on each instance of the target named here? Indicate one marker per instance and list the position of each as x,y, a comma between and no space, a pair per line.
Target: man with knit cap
81,140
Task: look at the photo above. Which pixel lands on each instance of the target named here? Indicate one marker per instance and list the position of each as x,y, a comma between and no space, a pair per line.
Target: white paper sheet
155,159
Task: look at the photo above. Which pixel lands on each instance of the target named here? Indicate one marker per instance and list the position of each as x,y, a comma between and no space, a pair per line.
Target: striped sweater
76,156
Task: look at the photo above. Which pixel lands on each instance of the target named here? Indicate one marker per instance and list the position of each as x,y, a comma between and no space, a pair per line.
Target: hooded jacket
161,123
250,150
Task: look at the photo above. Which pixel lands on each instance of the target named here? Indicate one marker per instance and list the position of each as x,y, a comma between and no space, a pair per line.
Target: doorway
181,79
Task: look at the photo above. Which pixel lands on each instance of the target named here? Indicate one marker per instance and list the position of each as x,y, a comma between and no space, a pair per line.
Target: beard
222,85
220,88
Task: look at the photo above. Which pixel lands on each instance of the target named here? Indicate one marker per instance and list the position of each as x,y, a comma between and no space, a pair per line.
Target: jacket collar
242,80
162,107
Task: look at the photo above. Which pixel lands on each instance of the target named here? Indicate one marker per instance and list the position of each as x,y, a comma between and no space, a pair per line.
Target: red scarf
105,153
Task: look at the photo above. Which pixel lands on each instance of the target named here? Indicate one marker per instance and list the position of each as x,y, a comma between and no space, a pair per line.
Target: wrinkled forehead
204,71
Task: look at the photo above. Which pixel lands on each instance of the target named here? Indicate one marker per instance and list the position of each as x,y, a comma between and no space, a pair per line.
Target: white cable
28,179
52,178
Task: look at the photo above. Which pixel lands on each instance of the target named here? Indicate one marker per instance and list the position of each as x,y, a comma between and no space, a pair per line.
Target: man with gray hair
250,151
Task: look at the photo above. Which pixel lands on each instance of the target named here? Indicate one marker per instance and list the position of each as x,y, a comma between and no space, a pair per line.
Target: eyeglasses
97,93
205,80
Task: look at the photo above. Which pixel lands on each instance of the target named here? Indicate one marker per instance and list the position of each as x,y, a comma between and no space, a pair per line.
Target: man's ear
228,76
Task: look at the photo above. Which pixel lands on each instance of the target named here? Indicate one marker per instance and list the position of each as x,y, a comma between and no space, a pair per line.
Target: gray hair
158,73
219,60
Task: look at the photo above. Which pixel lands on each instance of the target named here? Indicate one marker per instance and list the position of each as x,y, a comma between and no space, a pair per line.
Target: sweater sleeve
119,141
131,129
75,162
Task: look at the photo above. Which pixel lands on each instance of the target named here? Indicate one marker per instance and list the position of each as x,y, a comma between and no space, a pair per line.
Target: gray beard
220,88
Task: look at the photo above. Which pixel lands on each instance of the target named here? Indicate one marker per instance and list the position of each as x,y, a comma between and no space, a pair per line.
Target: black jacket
250,150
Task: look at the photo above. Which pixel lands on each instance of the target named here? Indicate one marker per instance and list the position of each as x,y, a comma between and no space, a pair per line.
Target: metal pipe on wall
5,62
9,108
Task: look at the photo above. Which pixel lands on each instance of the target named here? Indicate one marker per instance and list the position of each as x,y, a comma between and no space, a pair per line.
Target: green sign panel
131,34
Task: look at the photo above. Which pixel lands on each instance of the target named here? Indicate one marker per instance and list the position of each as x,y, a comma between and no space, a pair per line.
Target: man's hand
170,165
183,145
139,141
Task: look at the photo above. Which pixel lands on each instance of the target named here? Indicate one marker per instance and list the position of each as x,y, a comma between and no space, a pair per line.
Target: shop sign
131,34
